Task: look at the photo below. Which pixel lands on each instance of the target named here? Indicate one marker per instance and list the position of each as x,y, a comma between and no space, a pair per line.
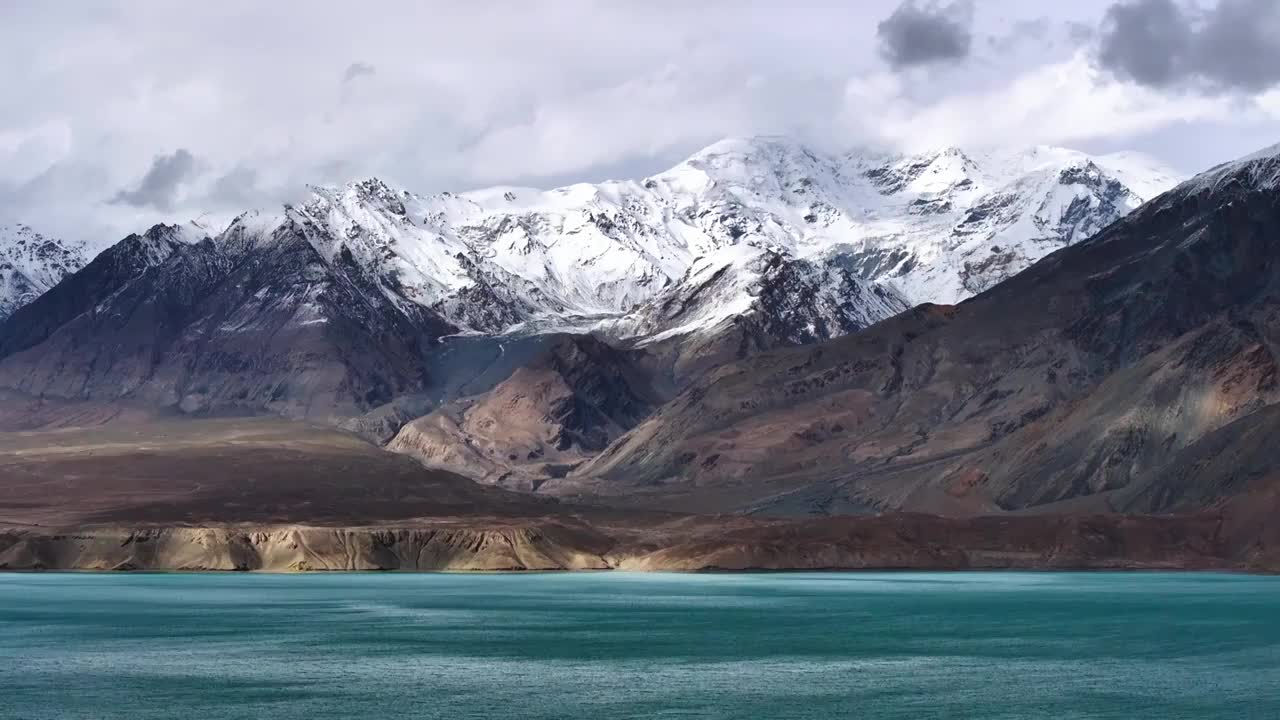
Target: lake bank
669,543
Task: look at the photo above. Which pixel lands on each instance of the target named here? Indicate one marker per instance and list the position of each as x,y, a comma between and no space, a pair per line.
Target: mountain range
637,257
1144,353
334,308
763,330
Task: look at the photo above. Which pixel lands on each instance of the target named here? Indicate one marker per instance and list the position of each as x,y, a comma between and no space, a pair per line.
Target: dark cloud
1146,41
1239,45
919,33
159,187
356,70
1231,47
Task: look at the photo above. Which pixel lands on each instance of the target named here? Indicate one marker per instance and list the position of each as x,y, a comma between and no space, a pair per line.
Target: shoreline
883,543
1230,571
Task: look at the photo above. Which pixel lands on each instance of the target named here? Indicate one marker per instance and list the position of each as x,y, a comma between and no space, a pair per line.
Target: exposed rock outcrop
549,546
539,423
648,544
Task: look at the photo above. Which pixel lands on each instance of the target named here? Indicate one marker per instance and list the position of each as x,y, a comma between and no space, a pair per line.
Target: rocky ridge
31,264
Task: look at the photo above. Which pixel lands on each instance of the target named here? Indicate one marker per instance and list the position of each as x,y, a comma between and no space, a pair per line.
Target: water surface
616,645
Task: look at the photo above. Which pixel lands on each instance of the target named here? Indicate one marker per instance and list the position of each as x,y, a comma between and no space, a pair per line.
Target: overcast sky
120,114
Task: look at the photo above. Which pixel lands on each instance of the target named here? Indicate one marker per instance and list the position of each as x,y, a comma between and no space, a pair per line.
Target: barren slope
1067,381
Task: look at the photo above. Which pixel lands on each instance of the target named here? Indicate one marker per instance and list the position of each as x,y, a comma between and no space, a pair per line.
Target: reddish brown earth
269,494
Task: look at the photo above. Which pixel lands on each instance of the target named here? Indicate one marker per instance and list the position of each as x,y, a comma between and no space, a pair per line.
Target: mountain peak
374,187
366,193
751,144
371,186
188,233
1259,169
773,152
949,152
1267,153
936,226
32,263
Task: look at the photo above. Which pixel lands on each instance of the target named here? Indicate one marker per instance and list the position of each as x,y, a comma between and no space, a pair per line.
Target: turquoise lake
615,645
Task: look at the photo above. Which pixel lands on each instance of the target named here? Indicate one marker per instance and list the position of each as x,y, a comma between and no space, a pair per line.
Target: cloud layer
128,113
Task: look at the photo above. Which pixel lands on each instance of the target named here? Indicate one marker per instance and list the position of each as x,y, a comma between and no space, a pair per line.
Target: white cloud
27,152
1069,102
465,94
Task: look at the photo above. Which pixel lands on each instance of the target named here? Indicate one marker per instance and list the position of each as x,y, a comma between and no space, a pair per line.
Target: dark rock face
801,301
794,301
487,305
546,418
611,394
896,176
241,323
112,269
1061,387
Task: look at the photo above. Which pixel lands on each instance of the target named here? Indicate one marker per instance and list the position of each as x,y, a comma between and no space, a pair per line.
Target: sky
121,113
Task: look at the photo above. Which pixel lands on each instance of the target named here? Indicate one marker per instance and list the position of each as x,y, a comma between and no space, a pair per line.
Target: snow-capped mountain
953,225
801,300
615,256
349,306
812,245
31,263
1256,171
1161,326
